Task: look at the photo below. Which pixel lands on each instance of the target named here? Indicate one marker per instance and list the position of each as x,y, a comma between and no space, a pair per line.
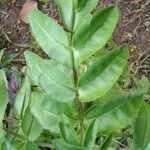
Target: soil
133,29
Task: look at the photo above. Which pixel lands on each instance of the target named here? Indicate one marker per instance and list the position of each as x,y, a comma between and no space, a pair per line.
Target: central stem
79,104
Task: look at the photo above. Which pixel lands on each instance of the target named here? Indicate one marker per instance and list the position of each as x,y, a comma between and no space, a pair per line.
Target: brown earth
133,29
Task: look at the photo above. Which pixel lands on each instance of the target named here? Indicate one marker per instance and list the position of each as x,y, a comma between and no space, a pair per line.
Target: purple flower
13,87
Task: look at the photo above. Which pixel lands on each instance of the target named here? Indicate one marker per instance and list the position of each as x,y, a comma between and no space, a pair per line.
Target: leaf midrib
48,35
110,62
53,80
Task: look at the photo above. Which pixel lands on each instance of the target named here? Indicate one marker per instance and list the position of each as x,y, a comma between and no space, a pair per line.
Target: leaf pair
88,38
94,83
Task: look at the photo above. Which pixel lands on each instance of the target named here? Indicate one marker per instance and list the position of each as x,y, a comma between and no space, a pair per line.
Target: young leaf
3,98
142,128
143,85
93,36
116,113
51,37
69,134
66,9
91,135
83,9
22,98
60,145
49,76
30,126
102,75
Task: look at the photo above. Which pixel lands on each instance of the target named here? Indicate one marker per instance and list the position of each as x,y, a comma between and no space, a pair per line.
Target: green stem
79,104
16,135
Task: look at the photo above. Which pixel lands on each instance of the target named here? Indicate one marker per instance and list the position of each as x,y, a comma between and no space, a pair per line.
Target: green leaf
22,98
103,74
93,36
105,145
69,134
25,145
116,113
60,145
66,9
142,128
3,98
81,4
47,118
143,85
51,37
48,75
83,9
58,108
30,126
6,145
147,147
1,54
91,135
30,146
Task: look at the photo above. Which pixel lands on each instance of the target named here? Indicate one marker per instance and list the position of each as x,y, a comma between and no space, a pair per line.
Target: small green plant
77,107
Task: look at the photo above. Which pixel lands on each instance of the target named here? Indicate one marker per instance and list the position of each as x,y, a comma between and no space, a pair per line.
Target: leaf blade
115,113
91,135
69,134
65,146
41,114
102,75
55,39
142,128
48,75
30,126
83,8
66,9
3,98
93,36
